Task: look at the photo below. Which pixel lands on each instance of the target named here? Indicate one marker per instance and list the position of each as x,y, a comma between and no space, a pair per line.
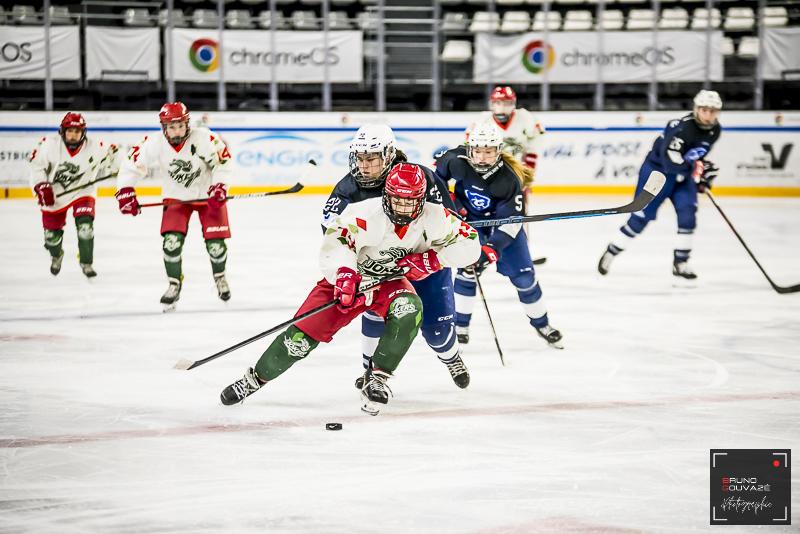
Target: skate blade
371,408
168,308
557,345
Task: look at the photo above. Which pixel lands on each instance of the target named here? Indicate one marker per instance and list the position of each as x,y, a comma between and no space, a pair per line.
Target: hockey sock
52,242
402,324
284,351
218,252
683,246
372,327
530,296
85,227
173,249
465,289
623,240
441,337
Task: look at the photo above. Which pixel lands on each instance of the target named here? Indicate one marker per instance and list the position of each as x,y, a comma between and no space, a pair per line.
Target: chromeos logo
538,56
204,55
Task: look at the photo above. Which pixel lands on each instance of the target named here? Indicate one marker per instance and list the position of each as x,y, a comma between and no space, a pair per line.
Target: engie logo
538,56
204,55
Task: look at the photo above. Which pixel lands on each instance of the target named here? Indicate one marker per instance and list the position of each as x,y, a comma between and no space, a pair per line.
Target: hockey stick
654,184
294,189
185,365
68,191
489,315
780,289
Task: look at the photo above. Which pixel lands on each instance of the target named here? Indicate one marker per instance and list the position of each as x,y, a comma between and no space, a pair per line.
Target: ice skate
682,269
55,263
241,389
458,371
360,381
551,335
171,295
375,393
87,270
462,334
223,290
605,260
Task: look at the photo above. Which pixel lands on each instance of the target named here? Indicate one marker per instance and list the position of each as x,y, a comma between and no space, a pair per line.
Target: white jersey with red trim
363,238
522,134
186,170
51,161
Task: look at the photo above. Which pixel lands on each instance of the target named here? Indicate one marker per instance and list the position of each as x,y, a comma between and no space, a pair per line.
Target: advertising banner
582,57
22,53
781,53
130,54
246,56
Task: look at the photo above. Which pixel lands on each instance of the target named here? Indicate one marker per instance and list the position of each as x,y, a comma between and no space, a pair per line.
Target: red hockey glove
420,264
44,194
217,194
128,204
529,160
488,257
346,288
704,173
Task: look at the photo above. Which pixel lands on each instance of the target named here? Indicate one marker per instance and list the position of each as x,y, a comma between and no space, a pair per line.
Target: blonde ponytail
524,174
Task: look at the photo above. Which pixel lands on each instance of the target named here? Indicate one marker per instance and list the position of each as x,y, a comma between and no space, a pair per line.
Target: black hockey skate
683,270
87,270
458,371
375,393
551,335
241,389
55,264
171,295
360,381
605,260
223,290
462,334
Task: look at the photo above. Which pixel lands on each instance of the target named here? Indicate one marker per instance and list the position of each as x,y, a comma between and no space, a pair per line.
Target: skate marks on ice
388,417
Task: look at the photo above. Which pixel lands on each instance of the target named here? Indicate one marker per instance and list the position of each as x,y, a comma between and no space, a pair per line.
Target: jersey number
518,203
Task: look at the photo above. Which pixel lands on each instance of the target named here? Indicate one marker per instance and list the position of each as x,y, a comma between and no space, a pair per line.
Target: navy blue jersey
494,195
681,144
348,191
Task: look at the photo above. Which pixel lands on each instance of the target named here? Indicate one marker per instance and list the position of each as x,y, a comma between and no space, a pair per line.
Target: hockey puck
333,426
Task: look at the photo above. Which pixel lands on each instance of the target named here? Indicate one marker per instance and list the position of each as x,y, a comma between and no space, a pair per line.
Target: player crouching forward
64,170
193,163
373,239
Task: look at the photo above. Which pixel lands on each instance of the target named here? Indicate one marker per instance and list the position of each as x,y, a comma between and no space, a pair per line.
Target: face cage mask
72,146
402,220
371,183
502,113
483,168
175,141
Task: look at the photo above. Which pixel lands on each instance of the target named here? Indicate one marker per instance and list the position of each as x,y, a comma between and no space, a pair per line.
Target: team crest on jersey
385,264
181,172
67,174
478,201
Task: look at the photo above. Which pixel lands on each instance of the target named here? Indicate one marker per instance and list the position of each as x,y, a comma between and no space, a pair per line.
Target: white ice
98,434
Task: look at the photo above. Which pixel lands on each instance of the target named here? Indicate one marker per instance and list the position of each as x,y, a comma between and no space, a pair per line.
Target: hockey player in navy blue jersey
372,154
680,153
488,186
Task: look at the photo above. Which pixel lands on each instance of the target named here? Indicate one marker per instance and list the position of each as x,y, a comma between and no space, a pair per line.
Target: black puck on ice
333,426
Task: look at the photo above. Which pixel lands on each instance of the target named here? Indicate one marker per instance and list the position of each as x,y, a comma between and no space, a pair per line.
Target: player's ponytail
524,174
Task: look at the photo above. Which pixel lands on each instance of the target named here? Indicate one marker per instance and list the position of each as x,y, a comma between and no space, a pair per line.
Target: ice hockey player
680,153
373,152
192,163
371,240
64,170
488,186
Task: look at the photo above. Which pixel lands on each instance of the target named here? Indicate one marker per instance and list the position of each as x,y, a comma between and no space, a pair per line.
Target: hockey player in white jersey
193,163
398,233
64,170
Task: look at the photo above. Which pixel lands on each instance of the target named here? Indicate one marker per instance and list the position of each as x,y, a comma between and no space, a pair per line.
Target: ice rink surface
98,434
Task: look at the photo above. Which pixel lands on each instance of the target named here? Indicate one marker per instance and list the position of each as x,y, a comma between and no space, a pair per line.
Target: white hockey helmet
372,139
485,134
708,99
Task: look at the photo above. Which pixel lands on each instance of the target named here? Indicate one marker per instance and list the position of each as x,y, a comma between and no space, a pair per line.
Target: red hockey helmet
72,120
404,193
504,93
174,112
502,102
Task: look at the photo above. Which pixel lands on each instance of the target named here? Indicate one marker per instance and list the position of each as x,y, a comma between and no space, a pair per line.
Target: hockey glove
44,194
346,289
420,264
529,160
488,256
704,173
128,204
217,194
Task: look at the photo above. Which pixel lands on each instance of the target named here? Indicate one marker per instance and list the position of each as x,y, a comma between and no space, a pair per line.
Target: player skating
488,186
193,163
372,239
372,153
679,152
64,170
